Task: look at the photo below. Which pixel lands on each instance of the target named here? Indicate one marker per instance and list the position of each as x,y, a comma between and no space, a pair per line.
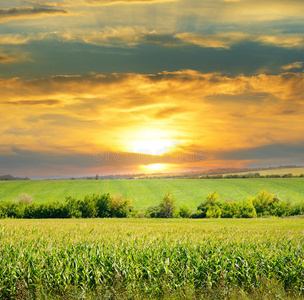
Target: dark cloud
27,13
33,102
20,159
273,151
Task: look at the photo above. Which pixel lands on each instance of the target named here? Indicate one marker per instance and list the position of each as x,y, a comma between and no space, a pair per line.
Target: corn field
151,259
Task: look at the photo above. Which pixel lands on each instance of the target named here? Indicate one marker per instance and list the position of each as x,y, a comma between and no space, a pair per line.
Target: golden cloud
208,112
133,35
294,65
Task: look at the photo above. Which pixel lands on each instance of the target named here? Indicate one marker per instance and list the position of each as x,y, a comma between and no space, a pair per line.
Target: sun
152,146
154,167
151,141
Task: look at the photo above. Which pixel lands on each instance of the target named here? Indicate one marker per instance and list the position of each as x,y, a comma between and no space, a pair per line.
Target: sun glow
152,146
152,141
154,167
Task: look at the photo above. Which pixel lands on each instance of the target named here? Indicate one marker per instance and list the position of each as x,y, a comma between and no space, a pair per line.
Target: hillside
149,192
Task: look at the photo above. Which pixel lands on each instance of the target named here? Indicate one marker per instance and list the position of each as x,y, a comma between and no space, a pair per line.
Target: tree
184,211
211,200
167,206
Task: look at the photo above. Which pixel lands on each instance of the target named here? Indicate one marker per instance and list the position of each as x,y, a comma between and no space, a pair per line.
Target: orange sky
79,79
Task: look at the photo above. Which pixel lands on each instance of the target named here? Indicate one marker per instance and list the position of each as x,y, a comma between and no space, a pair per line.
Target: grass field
146,258
190,192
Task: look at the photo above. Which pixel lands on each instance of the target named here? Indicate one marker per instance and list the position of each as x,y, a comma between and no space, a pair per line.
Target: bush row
113,206
92,206
264,204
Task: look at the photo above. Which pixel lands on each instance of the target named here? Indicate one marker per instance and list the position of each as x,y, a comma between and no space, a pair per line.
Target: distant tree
167,206
96,177
264,203
24,199
211,200
213,212
184,211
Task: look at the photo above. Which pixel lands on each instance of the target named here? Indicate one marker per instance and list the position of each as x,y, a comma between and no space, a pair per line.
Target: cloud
72,116
295,65
10,14
6,59
121,36
282,40
129,36
226,40
112,2
14,39
94,3
223,40
33,102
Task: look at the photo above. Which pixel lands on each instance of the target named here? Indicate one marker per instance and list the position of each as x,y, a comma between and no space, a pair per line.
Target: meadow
145,192
152,259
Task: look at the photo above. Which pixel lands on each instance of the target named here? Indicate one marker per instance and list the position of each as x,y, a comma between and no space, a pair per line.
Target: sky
141,86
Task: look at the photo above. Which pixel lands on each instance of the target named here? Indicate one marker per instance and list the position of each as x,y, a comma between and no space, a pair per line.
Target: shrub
184,212
24,199
73,207
265,203
230,209
298,209
246,210
213,212
88,207
282,209
199,214
103,205
120,207
211,200
167,206
153,211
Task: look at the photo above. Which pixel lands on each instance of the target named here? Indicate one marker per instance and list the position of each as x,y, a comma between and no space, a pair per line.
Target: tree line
249,175
116,206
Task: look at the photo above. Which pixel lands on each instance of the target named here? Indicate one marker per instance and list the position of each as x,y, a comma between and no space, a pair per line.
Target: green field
145,192
151,259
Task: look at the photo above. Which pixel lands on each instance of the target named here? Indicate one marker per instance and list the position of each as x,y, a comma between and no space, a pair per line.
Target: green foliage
152,259
213,211
149,192
265,203
120,207
116,206
246,210
153,211
103,205
167,208
230,209
24,199
199,214
211,200
298,209
184,211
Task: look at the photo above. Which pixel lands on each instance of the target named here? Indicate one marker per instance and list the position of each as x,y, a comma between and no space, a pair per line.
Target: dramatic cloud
219,76
215,112
28,13
131,36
